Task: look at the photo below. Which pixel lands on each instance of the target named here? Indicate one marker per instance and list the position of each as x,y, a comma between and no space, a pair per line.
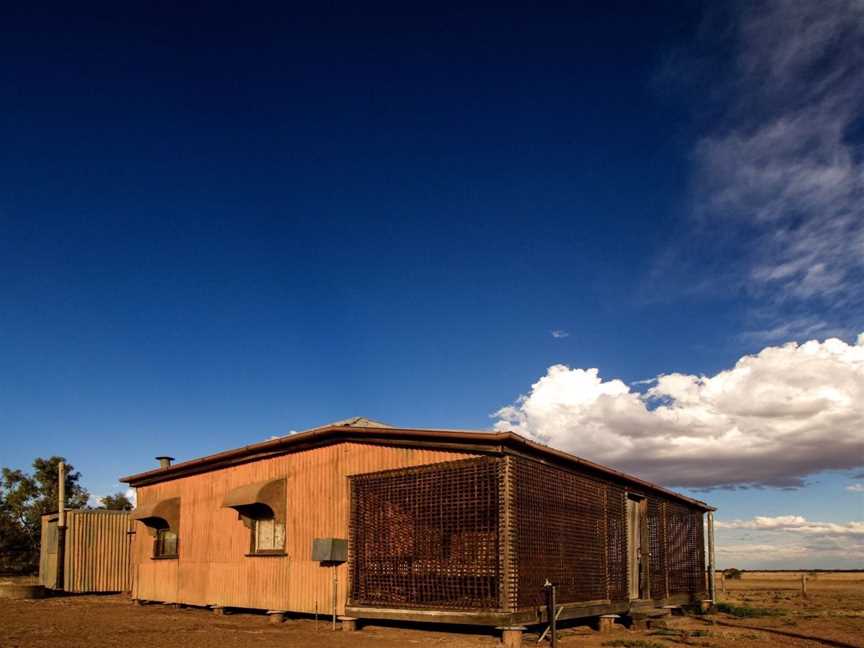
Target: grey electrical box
329,550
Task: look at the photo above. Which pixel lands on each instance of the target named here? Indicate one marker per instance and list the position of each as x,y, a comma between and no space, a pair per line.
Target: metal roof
363,430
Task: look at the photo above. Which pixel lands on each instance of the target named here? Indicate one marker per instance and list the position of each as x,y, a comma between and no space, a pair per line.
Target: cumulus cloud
795,524
855,488
789,541
558,333
132,496
772,419
781,163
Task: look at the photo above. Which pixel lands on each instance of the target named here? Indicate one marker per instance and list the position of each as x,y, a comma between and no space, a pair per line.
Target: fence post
61,526
712,586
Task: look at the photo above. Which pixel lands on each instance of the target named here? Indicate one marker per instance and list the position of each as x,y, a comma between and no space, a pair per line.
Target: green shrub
747,612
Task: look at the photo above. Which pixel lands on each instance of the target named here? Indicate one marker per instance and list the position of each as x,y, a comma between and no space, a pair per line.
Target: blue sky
221,224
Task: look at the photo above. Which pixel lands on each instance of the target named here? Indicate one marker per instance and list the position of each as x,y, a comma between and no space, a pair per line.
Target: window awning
160,514
251,496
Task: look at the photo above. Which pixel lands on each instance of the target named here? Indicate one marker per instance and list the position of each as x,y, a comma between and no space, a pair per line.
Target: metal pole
61,525
549,588
335,587
712,586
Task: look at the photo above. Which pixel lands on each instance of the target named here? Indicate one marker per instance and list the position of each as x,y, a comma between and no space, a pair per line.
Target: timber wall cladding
213,569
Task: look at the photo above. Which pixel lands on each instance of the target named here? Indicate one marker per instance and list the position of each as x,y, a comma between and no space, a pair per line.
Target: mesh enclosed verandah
571,528
428,536
486,533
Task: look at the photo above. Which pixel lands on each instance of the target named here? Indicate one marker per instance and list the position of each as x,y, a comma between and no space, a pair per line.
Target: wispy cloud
558,333
782,164
772,419
855,488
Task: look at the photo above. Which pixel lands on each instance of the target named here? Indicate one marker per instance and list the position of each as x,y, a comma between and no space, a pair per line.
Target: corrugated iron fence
486,534
97,551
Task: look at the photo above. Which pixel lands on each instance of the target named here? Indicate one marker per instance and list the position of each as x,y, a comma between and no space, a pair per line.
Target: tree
24,499
116,502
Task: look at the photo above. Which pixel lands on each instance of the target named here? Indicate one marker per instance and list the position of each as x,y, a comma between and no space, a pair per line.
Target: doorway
637,556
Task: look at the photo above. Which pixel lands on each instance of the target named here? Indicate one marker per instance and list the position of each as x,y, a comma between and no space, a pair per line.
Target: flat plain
761,609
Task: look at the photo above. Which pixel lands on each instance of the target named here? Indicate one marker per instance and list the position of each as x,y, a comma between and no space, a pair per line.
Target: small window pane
269,535
166,543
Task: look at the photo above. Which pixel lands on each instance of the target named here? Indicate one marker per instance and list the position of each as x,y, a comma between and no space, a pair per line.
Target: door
48,557
636,549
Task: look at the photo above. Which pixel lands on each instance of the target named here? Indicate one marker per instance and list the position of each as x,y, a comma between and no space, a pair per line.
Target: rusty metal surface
685,547
560,533
213,567
466,440
427,537
657,548
616,543
571,529
97,551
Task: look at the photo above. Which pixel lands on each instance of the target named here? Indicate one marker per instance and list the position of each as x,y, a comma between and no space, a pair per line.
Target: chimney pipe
164,462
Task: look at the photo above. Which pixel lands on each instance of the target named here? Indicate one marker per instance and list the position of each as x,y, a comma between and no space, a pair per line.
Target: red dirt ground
114,621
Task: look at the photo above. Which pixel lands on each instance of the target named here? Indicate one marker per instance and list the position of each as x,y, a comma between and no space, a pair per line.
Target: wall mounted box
330,550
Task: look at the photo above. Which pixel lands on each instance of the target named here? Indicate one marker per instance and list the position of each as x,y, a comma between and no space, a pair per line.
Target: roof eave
281,445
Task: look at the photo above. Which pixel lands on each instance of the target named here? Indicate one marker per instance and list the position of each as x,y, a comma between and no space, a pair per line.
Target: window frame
253,537
159,543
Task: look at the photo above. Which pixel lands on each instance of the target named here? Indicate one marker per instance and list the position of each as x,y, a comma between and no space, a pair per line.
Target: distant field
816,581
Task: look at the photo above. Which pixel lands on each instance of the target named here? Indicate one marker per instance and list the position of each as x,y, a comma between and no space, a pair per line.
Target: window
261,507
165,545
268,535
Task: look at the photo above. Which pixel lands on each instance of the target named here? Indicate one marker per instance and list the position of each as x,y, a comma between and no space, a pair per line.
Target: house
441,525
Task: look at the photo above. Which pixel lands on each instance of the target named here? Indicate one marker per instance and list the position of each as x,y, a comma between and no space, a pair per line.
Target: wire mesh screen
572,529
561,533
616,543
657,547
685,549
427,537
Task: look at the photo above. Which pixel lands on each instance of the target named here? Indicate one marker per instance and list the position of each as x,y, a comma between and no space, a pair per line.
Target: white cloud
789,541
132,496
782,165
558,333
795,524
772,419
855,488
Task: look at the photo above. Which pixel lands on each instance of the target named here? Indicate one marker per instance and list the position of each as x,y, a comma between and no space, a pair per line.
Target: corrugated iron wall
98,551
563,525
427,537
213,568
48,553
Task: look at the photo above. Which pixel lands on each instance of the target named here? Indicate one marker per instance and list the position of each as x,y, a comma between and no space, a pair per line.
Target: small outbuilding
439,525
92,556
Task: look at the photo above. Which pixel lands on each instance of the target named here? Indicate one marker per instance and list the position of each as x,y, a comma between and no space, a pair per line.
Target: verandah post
712,589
